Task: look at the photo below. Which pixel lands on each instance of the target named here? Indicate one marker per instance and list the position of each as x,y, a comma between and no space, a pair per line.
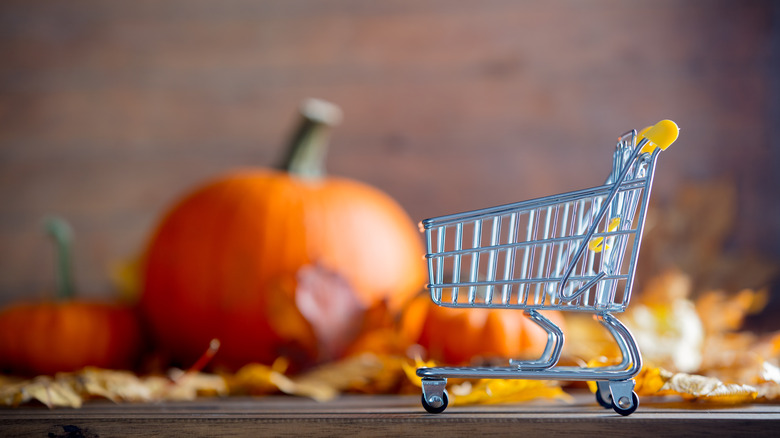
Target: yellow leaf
650,380
365,373
410,369
495,391
253,378
489,391
258,379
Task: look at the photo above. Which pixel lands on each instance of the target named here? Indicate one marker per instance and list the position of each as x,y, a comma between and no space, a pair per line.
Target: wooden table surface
386,416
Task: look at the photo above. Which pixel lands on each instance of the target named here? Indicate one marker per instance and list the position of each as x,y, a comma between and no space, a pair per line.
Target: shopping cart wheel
622,406
606,404
437,404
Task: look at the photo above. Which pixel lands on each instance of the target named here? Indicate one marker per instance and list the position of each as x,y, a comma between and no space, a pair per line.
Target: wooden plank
386,416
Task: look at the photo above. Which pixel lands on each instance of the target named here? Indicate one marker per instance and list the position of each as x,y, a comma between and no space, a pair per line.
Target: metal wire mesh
518,255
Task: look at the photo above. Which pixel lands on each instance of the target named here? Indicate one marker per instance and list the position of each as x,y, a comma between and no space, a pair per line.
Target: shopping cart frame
633,171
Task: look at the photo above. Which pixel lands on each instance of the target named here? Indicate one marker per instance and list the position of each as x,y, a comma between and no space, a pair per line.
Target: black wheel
606,404
436,410
630,410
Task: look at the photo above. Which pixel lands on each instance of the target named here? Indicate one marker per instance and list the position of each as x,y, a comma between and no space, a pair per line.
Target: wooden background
111,110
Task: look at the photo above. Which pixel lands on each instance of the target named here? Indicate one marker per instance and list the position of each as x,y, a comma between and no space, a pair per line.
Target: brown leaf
330,305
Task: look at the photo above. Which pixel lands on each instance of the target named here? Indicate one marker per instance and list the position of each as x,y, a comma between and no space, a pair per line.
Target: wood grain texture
110,111
387,416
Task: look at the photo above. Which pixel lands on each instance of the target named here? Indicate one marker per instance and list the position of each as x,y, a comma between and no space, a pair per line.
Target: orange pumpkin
277,262
46,338
66,335
459,335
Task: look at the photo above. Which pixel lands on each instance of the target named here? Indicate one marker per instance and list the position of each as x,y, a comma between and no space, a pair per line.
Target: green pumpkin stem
309,145
62,235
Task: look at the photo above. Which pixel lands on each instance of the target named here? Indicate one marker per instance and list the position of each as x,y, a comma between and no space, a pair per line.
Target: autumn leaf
72,389
330,306
708,388
47,390
410,369
495,391
654,381
490,391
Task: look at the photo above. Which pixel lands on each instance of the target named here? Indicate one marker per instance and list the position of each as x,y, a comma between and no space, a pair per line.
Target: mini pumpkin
66,334
278,262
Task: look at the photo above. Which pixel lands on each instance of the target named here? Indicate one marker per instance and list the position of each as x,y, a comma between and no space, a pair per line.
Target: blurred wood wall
111,110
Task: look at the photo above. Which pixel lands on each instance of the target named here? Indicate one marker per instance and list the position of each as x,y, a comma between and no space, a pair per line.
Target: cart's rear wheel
606,404
437,405
622,406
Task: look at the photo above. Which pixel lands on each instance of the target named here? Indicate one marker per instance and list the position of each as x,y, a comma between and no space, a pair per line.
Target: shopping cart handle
661,135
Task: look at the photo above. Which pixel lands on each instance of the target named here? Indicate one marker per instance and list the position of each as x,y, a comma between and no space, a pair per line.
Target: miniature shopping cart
570,252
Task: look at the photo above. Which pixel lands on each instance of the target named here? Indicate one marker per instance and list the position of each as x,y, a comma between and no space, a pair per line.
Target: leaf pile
73,389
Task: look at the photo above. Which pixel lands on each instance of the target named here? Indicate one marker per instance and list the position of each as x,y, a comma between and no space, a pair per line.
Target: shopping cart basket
570,252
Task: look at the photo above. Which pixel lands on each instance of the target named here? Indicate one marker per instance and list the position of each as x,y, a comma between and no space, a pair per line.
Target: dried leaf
72,389
116,385
330,305
410,369
489,391
255,378
258,379
708,388
651,380
52,392
656,381
365,373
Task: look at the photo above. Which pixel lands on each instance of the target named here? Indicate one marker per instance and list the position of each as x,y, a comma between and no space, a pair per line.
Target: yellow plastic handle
661,135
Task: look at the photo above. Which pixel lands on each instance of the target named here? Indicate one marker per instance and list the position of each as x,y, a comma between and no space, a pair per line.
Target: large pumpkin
66,334
277,262
461,335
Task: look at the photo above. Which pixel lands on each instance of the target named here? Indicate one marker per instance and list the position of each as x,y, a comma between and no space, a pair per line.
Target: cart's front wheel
625,407
437,404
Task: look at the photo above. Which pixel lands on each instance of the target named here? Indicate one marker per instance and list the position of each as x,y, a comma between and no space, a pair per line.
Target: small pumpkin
66,334
460,335
278,262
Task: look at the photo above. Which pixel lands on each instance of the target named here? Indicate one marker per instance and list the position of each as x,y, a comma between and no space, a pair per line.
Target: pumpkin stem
62,234
308,146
